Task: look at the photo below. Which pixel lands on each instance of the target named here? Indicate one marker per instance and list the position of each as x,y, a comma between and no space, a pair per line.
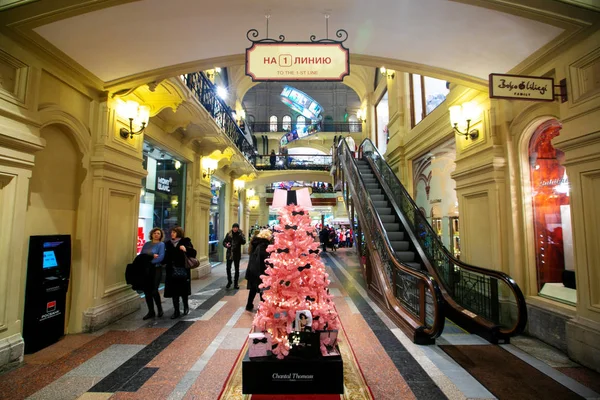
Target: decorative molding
584,84
95,318
17,93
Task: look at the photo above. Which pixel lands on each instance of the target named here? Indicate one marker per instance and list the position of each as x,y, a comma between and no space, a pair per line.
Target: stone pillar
17,147
116,173
197,215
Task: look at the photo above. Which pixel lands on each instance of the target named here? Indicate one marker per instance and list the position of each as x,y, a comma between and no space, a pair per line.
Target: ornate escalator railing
485,301
413,297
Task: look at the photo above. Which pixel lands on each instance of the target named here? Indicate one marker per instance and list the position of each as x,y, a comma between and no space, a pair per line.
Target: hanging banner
324,60
519,87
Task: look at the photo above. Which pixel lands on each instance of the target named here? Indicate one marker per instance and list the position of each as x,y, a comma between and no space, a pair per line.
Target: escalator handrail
439,317
519,298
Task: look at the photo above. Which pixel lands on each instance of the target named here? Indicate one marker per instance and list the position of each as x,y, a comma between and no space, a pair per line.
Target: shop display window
215,230
162,198
551,216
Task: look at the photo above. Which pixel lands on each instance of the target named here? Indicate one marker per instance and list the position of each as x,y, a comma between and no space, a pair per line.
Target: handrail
322,126
452,274
413,282
206,93
313,162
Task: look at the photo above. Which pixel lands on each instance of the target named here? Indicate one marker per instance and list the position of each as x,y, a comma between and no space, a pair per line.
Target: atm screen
49,255
49,260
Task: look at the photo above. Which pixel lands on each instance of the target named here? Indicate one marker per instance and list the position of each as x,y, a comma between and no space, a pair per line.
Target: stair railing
404,288
488,302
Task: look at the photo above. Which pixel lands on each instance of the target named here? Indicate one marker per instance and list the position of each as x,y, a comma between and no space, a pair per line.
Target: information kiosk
48,269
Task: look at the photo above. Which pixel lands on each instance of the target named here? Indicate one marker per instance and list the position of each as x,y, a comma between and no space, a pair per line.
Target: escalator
393,237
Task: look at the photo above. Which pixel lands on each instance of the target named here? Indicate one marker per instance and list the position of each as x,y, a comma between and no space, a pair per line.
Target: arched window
354,125
300,123
273,124
286,124
551,211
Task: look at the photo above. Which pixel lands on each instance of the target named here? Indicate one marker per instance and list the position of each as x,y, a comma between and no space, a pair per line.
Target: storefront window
435,193
162,200
383,117
215,230
551,216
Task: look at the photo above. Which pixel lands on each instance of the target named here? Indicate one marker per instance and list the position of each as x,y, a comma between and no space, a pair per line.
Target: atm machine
48,271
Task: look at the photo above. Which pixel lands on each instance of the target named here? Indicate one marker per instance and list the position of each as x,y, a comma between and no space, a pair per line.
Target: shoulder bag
191,262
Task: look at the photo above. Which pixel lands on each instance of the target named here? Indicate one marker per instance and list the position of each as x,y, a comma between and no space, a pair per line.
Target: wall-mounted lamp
461,117
136,114
209,166
253,204
250,193
389,73
361,115
238,185
211,73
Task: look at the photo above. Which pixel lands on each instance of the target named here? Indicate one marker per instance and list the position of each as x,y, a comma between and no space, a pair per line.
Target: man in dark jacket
233,242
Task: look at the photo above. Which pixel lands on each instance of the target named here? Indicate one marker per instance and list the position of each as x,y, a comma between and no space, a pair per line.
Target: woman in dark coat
178,279
256,264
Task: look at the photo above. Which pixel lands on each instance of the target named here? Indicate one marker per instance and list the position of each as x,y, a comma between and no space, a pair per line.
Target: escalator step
405,256
374,191
389,227
399,245
379,197
382,204
414,265
381,211
395,236
370,186
387,218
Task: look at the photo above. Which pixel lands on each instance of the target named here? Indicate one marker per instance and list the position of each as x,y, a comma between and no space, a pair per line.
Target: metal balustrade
206,93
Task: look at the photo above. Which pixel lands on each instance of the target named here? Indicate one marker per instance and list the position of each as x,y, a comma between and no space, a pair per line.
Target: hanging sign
519,87
317,60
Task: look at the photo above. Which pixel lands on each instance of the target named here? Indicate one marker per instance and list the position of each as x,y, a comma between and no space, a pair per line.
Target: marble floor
191,357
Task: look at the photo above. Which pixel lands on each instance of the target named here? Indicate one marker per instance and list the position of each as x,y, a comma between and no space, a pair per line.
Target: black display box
293,375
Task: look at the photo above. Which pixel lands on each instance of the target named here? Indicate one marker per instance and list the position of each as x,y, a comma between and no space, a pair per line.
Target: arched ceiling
118,41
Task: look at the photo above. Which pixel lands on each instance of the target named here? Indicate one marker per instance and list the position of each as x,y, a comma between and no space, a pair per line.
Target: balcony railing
206,93
322,126
312,162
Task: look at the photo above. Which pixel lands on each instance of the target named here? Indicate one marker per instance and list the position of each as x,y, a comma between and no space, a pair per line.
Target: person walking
156,248
273,159
233,242
178,280
257,265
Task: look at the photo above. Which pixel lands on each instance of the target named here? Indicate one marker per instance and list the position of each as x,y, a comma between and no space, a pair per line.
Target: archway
54,192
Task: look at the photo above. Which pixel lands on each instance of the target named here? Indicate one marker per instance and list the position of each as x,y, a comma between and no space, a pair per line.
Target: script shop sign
283,62
519,87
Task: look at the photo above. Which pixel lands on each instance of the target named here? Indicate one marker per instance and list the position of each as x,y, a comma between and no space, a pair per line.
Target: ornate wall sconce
212,73
461,117
238,185
388,73
137,115
209,167
250,192
361,115
253,203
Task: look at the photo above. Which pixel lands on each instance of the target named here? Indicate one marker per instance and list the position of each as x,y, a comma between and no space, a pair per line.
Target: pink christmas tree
297,280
